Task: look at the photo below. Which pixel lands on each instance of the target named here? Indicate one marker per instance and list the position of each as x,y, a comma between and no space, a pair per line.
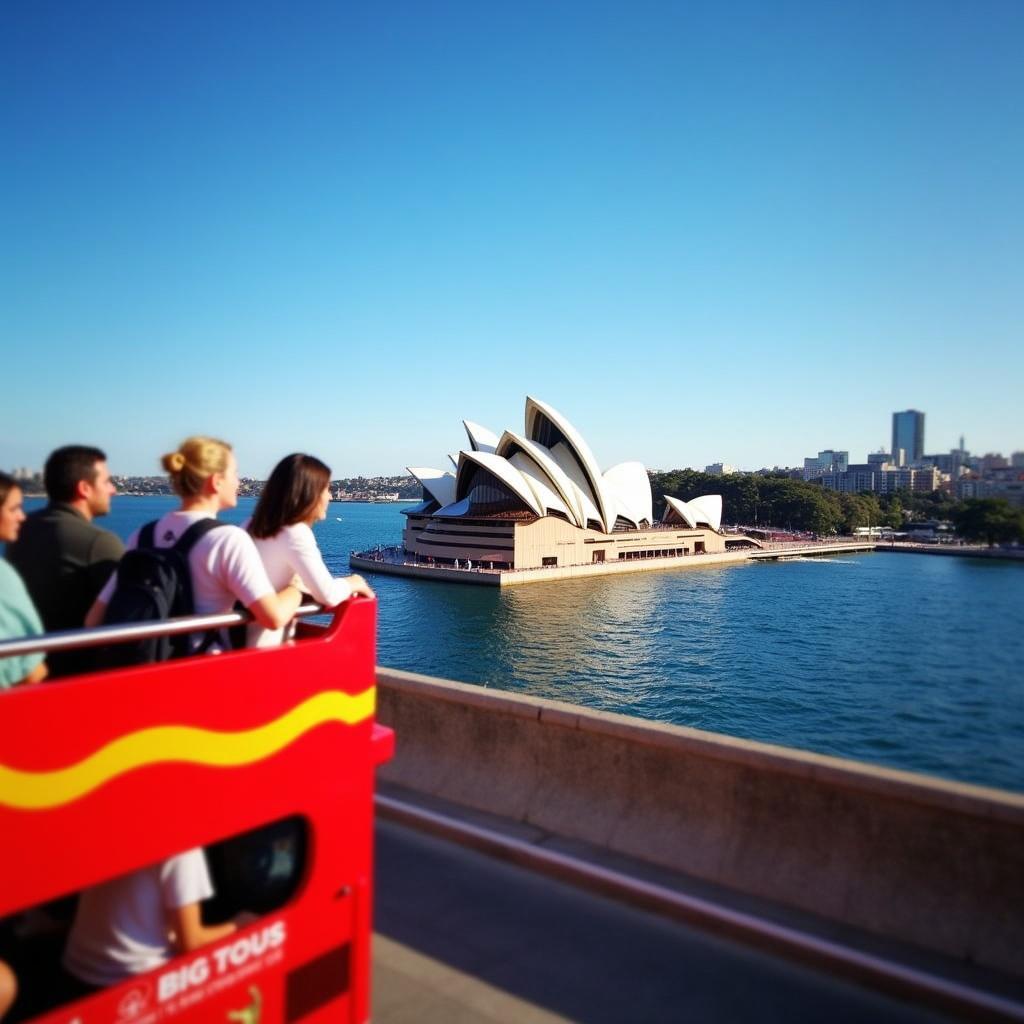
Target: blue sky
722,231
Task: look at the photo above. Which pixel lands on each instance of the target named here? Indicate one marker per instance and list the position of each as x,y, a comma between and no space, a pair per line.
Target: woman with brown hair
223,563
294,498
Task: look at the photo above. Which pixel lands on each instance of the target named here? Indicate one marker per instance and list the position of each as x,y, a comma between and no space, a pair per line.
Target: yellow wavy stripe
179,743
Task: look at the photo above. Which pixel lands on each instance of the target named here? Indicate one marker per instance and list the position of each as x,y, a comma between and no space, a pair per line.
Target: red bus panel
106,773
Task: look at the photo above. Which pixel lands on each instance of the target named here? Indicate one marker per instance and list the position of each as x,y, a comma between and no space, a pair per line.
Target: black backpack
153,585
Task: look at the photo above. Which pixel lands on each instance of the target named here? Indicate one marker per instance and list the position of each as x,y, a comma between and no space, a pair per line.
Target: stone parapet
935,864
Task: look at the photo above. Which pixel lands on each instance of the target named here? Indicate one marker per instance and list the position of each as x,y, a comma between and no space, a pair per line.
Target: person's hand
244,918
360,586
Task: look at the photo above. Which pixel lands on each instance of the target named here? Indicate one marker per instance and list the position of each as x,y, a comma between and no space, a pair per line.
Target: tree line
780,501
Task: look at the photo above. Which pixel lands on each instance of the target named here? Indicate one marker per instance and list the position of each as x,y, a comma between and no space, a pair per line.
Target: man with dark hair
61,555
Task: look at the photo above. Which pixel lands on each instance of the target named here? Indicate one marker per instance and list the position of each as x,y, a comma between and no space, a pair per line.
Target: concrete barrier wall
935,864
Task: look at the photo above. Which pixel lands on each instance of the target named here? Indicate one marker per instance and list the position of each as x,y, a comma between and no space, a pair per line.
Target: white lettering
173,983
242,950
221,956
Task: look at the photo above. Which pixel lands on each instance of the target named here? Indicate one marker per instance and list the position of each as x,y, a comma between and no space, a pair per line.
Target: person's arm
240,569
22,620
275,611
94,616
8,988
104,554
185,883
186,925
308,564
359,586
37,675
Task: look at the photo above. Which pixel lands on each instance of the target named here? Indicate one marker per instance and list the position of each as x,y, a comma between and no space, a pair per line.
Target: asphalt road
460,937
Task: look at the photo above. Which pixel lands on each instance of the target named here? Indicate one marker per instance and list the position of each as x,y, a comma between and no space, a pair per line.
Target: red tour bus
263,758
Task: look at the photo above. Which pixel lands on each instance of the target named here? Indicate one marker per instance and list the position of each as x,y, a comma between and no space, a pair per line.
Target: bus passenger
141,920
62,555
224,564
294,498
18,616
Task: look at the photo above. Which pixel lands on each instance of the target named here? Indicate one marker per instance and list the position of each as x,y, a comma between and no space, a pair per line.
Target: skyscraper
907,437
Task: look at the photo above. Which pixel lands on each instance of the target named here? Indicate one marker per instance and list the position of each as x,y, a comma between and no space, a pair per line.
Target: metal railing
72,639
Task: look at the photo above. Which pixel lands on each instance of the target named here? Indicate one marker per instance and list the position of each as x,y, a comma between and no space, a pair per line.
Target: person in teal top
18,616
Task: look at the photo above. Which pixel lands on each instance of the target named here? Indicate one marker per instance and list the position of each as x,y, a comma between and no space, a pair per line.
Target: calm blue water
911,661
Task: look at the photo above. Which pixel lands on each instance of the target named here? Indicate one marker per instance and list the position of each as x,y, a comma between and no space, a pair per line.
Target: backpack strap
147,536
183,545
187,540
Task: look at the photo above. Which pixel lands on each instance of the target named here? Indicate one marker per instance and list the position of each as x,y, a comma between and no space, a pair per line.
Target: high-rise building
907,437
828,461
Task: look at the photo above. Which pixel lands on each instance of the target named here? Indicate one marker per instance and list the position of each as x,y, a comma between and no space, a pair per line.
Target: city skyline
707,234
371,474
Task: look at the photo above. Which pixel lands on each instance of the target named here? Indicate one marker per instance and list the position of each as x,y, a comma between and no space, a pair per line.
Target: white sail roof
549,499
584,494
480,438
537,413
439,484
680,508
551,469
504,471
706,509
555,475
630,487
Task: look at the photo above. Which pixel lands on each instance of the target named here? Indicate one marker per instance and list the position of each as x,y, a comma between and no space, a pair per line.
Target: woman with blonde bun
296,497
224,564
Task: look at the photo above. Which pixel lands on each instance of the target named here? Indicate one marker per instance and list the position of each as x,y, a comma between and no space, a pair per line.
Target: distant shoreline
956,551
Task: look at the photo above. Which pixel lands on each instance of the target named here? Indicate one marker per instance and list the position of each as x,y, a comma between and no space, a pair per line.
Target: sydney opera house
539,499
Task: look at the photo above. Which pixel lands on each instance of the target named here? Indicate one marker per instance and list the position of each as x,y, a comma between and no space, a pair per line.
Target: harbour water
904,660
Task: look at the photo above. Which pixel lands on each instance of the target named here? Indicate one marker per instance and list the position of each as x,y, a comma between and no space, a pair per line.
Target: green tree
765,500
892,515
924,504
859,510
993,520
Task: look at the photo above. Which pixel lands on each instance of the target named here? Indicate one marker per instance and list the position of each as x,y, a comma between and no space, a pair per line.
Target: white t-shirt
121,926
293,551
224,564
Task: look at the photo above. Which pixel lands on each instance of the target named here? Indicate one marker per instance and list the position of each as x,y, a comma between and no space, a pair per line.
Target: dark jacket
64,560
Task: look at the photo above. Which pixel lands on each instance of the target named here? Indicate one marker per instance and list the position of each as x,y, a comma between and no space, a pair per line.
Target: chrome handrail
72,639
